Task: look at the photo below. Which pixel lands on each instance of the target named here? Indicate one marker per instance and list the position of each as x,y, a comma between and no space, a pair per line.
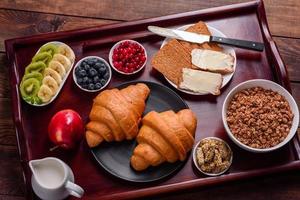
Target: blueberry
102,64
102,70
83,63
77,70
87,67
90,61
92,72
97,66
96,79
90,80
80,67
79,80
82,73
102,81
85,80
95,60
106,76
98,86
91,86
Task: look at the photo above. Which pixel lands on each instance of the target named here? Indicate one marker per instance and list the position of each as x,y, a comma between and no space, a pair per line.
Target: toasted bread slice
201,81
170,60
213,61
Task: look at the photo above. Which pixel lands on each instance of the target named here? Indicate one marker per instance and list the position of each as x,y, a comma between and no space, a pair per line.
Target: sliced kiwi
36,100
29,89
49,48
33,74
42,56
38,66
33,100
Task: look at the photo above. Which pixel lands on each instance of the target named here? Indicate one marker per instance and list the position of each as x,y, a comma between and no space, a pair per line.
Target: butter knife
200,38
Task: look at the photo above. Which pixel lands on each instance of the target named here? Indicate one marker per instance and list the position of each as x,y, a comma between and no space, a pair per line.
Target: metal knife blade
200,38
180,35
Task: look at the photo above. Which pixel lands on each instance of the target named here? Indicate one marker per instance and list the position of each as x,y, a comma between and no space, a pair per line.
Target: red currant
128,57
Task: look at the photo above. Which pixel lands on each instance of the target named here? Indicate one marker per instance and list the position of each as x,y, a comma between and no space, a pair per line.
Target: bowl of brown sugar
260,115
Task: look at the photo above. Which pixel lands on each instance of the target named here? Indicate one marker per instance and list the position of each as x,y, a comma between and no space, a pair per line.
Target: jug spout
33,164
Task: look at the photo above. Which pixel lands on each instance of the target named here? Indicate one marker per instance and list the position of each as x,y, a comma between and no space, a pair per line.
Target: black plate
115,157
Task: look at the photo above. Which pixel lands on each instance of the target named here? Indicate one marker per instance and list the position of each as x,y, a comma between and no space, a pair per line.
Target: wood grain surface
20,18
283,16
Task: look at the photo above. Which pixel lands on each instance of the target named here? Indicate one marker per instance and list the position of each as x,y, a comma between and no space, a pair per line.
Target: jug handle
74,190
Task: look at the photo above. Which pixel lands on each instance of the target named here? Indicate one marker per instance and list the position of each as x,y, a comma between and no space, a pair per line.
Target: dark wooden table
27,17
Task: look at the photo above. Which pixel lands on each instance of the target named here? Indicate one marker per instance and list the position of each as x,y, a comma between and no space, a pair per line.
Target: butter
214,61
201,81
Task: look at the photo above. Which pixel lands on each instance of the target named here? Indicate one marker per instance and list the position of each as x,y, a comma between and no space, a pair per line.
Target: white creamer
53,179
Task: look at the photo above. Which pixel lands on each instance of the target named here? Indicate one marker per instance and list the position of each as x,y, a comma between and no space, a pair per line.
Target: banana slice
45,93
50,72
51,83
66,51
63,60
58,67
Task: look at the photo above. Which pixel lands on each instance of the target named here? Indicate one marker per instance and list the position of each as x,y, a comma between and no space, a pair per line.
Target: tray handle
277,62
18,117
14,77
17,113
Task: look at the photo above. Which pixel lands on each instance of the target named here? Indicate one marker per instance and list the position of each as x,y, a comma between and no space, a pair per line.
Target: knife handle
257,46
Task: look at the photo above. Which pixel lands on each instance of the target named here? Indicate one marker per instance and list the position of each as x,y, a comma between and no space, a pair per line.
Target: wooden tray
244,21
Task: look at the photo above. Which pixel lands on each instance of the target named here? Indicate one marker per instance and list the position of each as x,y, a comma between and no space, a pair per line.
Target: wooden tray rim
271,48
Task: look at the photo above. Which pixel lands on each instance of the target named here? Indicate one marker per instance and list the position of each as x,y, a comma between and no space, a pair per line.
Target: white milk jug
52,179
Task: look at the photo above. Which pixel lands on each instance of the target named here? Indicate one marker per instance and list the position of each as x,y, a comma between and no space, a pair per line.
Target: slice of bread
170,60
201,81
213,61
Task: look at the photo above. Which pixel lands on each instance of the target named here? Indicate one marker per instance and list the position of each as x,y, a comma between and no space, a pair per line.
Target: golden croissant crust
164,137
116,114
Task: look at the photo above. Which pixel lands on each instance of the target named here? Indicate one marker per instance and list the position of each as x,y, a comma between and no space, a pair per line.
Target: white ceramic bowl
108,68
196,162
111,54
63,80
266,84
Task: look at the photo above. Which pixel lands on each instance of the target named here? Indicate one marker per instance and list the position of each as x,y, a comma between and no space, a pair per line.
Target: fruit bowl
92,74
47,72
128,57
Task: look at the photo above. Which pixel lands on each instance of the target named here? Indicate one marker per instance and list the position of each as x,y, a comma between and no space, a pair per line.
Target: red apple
66,129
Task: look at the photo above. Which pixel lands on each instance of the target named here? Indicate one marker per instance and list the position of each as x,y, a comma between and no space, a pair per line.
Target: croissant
164,137
116,114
